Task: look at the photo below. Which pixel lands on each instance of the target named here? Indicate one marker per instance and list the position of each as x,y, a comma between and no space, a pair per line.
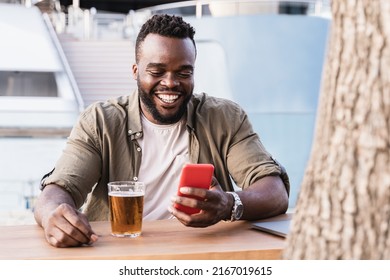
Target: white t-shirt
164,152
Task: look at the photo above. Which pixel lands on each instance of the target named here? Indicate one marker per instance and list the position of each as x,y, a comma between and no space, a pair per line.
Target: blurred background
57,57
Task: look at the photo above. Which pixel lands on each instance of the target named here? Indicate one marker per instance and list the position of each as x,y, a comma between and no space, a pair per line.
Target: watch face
239,211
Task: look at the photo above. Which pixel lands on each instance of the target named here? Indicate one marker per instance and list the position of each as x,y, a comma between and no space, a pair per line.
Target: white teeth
168,98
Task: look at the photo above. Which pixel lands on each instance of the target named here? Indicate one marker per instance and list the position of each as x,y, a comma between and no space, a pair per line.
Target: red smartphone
197,175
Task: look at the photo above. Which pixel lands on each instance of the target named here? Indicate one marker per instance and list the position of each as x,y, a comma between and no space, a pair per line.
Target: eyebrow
162,65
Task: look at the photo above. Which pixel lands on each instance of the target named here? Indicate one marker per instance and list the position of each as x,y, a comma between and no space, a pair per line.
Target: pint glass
126,202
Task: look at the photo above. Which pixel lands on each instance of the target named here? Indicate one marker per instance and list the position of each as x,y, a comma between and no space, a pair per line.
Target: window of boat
20,83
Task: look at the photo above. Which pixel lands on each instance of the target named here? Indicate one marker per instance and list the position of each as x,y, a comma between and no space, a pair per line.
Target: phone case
194,175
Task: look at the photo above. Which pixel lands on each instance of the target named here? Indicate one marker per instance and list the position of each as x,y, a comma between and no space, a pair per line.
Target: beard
150,104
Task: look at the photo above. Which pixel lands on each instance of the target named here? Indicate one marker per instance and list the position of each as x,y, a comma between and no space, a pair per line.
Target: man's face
165,79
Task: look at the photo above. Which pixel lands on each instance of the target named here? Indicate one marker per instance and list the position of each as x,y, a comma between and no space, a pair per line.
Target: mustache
177,89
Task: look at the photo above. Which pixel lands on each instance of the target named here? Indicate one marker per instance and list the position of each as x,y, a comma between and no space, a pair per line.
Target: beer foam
126,194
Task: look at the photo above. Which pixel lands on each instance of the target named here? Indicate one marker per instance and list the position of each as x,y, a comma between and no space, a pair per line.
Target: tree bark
343,209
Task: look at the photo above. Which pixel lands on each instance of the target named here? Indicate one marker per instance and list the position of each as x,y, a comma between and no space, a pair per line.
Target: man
148,136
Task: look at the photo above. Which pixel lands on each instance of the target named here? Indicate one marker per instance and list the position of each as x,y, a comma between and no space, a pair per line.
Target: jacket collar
134,126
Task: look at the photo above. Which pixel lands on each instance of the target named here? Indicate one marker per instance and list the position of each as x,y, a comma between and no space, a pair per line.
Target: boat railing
21,193
64,62
202,8
90,24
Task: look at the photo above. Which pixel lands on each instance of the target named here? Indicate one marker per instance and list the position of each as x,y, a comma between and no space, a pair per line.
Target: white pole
76,3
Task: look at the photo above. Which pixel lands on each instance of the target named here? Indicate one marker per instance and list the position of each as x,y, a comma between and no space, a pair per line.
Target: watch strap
237,204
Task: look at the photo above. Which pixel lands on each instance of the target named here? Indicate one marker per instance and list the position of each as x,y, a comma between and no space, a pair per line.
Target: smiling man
149,136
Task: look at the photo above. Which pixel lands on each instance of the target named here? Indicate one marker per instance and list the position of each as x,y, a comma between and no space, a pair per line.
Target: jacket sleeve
247,159
79,167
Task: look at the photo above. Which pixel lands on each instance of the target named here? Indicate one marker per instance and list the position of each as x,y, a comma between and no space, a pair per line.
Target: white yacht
38,95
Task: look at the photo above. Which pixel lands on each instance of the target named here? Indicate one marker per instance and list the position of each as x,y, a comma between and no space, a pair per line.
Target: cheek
148,82
189,85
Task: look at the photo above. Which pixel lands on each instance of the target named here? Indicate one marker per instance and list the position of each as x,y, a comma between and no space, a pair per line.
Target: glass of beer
126,202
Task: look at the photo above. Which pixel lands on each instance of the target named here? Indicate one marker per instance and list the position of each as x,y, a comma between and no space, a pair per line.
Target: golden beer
126,210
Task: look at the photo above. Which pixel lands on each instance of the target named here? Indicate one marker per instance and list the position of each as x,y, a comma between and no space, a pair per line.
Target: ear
135,71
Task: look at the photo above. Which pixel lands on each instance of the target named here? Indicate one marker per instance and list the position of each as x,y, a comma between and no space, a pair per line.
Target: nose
170,80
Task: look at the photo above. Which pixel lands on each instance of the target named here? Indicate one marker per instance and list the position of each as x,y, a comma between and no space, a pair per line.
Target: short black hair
165,25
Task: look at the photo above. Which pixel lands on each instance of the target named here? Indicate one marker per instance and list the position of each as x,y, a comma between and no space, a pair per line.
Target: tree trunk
343,209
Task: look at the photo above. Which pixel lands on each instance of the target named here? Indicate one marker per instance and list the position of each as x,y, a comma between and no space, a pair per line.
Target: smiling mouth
168,98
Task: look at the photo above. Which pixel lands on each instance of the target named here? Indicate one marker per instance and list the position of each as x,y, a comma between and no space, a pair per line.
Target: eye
155,73
185,74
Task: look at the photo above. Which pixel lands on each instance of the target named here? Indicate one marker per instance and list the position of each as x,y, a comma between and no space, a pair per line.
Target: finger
92,235
216,188
185,201
193,220
199,192
75,225
78,220
214,182
181,216
60,239
93,238
69,230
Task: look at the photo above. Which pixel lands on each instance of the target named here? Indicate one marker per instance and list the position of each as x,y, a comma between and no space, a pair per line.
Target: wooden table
166,239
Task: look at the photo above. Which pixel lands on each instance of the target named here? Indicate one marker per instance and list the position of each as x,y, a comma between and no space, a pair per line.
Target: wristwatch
238,208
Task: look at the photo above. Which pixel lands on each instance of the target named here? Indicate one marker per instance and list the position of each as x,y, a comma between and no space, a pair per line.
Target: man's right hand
63,224
67,227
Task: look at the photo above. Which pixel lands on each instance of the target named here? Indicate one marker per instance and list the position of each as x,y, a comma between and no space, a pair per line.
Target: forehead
160,49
